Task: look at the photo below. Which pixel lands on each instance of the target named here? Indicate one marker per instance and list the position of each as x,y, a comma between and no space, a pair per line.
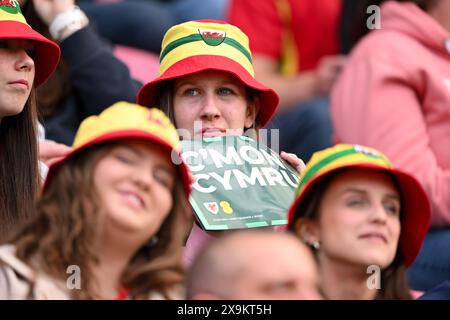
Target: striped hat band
341,156
205,38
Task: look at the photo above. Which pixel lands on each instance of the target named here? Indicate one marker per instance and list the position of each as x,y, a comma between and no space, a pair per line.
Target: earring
315,244
153,242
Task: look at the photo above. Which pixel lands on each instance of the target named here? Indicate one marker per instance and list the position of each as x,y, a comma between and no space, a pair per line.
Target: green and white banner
239,184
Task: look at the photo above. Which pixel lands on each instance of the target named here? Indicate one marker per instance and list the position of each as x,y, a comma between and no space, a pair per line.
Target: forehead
365,179
144,148
211,76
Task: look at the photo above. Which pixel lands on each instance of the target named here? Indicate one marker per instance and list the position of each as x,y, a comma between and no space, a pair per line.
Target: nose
210,110
378,214
143,179
24,61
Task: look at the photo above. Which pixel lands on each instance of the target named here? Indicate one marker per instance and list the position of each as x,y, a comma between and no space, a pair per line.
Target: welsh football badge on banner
240,183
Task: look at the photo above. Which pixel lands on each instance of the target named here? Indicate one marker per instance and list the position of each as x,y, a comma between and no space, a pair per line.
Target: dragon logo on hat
212,37
10,6
367,151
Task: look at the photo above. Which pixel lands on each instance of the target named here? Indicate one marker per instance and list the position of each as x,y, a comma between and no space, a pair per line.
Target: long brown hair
394,284
68,224
19,175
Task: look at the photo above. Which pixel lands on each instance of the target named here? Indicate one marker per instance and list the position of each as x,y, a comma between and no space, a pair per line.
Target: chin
382,261
12,112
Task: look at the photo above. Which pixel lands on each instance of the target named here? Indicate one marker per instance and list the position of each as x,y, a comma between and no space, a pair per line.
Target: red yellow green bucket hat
14,26
416,208
196,46
125,120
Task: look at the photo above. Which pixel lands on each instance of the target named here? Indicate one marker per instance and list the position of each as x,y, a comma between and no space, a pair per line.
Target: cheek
184,116
339,224
164,200
395,227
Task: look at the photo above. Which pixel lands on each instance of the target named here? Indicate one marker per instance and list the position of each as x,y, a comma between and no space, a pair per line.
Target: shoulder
15,275
19,281
386,45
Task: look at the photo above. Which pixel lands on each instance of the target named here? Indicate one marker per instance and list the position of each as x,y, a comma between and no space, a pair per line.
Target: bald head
254,265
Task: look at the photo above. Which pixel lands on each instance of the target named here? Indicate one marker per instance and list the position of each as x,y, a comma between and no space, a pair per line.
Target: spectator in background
115,209
394,95
364,220
87,80
143,23
296,52
27,59
135,23
253,265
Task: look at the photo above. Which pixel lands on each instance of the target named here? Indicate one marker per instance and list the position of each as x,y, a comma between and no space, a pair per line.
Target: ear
307,230
252,111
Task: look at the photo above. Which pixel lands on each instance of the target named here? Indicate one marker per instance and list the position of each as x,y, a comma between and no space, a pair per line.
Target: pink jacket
394,95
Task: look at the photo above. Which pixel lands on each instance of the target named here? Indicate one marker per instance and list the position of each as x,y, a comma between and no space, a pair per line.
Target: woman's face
135,181
359,219
16,75
211,103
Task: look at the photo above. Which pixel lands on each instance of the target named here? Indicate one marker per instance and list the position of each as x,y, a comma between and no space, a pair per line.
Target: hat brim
46,52
416,208
269,98
182,168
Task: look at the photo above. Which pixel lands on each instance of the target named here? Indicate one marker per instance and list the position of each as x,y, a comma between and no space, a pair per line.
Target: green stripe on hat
314,169
197,37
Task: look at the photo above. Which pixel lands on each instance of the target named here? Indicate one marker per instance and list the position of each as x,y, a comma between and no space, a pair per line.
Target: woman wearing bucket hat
364,220
206,77
88,79
123,228
27,59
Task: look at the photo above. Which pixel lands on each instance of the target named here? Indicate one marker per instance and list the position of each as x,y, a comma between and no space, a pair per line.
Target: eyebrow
195,83
364,192
140,154
134,150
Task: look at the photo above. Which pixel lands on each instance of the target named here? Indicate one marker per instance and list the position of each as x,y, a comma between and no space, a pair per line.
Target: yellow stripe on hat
12,12
186,40
124,116
199,48
340,156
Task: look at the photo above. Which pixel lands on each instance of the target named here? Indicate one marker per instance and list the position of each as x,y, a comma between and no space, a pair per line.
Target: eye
224,91
393,208
191,92
165,178
356,202
125,157
3,45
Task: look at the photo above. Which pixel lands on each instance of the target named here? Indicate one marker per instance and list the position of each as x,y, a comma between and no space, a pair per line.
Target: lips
133,199
374,236
212,132
21,82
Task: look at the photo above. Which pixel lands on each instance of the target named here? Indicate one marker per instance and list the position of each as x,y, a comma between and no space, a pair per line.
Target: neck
113,258
341,281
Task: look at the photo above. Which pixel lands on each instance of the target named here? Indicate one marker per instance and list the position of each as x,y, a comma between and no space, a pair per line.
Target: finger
50,149
293,160
51,161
